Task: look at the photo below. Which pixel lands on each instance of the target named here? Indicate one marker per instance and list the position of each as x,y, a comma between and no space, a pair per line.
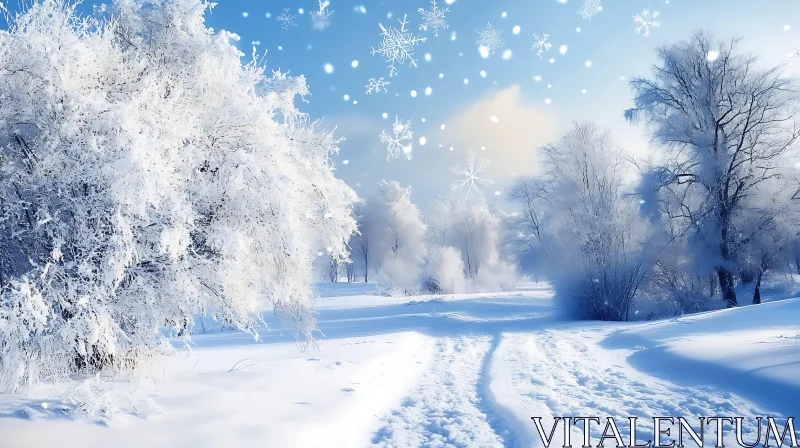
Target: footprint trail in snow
448,408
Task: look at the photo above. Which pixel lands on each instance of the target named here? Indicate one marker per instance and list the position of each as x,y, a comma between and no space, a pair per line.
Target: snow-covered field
467,370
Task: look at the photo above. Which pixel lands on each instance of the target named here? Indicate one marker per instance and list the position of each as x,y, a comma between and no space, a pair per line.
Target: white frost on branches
589,8
395,234
645,21
434,18
541,44
490,38
398,142
148,177
376,85
321,18
472,177
286,19
397,45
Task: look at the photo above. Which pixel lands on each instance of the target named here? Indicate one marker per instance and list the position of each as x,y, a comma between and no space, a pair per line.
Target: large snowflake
286,19
472,177
397,46
490,38
541,44
321,19
398,142
376,85
645,21
590,8
434,18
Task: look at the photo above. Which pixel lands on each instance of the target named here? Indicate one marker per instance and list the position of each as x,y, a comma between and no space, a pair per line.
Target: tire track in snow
449,407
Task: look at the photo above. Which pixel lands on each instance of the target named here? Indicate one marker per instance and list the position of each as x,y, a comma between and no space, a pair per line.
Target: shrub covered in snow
445,270
500,276
596,243
149,176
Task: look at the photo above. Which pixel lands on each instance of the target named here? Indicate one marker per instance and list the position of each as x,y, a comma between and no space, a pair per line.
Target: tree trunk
712,290
757,293
726,285
726,282
366,268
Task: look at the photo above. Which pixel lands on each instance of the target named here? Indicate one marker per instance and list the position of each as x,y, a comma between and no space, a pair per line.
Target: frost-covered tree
526,226
531,195
596,242
361,240
767,228
478,232
440,220
474,232
723,123
396,237
149,176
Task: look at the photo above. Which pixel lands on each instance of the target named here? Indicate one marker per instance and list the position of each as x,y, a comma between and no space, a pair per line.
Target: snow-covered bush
500,276
149,176
445,270
676,284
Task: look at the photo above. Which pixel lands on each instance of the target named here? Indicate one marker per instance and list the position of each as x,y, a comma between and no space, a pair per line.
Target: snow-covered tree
440,220
531,195
767,227
149,176
595,240
478,232
525,227
361,240
724,124
475,232
395,234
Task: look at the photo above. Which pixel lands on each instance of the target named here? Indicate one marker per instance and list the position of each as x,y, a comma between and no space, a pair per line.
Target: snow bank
753,351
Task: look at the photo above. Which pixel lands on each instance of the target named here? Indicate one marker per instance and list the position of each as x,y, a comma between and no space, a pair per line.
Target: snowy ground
465,371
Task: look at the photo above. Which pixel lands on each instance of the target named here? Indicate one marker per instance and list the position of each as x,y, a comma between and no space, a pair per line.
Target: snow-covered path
455,371
449,407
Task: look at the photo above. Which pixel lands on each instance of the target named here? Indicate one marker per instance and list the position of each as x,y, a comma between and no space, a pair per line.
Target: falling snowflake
490,38
322,18
590,8
541,44
472,177
398,45
286,19
376,85
399,141
645,21
434,18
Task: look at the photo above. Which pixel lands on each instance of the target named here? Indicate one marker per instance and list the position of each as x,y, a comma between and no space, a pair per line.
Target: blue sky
509,91
515,90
